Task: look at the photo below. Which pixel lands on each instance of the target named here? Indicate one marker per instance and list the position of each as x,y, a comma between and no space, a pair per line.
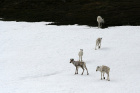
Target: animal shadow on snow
39,76
105,48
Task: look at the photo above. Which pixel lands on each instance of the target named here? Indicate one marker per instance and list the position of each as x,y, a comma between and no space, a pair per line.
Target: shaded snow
34,58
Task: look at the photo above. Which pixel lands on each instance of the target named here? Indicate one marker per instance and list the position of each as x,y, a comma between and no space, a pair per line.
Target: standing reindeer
98,43
100,21
103,69
79,64
80,54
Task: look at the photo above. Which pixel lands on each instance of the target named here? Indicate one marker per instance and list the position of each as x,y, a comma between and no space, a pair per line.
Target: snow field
34,58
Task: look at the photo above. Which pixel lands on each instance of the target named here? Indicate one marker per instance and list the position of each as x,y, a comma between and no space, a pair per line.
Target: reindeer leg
101,25
101,75
95,46
87,71
108,77
76,71
83,70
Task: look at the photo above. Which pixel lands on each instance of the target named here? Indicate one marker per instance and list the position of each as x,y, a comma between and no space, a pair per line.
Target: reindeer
98,43
79,64
100,21
103,69
80,54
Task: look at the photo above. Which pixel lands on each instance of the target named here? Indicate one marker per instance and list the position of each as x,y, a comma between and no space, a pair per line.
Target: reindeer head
99,17
81,49
71,60
98,68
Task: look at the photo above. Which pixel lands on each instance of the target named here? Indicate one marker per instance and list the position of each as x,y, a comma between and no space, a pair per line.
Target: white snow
34,58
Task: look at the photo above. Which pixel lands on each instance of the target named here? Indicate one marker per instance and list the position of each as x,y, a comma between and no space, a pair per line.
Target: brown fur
79,64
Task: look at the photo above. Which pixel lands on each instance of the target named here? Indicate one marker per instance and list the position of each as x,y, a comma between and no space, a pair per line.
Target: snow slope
34,58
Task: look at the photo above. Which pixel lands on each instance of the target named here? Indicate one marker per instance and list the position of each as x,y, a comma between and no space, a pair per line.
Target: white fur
80,54
103,69
100,21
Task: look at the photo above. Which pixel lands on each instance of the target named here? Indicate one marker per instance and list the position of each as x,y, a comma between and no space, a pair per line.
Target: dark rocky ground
63,12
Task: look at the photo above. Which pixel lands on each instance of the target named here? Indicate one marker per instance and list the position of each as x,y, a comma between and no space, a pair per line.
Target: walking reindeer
103,69
80,54
78,64
100,21
98,43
